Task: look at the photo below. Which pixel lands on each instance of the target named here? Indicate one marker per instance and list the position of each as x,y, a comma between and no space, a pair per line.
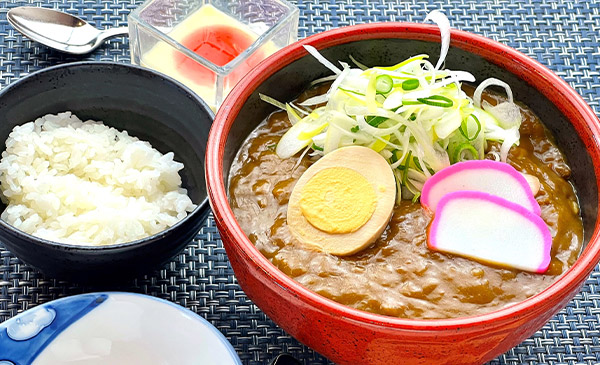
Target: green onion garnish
406,165
395,156
410,84
411,102
437,100
417,164
411,106
272,146
465,152
384,84
375,121
351,91
416,197
464,127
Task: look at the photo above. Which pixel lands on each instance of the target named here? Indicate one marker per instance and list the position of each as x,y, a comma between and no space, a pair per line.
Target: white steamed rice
85,183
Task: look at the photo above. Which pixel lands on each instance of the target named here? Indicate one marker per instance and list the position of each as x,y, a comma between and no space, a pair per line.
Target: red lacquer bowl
350,336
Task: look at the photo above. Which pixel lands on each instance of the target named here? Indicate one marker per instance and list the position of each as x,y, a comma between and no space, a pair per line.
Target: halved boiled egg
343,202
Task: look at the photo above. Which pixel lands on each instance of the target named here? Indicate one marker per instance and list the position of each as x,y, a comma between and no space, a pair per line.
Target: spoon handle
113,32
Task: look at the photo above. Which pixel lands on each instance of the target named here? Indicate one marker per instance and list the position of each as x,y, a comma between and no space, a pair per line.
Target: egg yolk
338,200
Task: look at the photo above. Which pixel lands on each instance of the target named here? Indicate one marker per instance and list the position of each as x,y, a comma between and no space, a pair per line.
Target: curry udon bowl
349,336
148,105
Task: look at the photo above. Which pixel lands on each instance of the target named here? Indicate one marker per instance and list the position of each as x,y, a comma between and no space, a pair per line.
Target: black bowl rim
203,206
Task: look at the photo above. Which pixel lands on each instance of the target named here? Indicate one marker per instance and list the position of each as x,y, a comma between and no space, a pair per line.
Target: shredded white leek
442,22
313,51
358,64
272,101
420,122
490,82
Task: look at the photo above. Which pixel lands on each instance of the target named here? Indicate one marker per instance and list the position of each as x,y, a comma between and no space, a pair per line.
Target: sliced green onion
416,197
350,91
464,127
365,112
384,84
417,164
403,63
406,165
272,146
465,152
394,157
315,147
437,100
375,121
410,84
292,114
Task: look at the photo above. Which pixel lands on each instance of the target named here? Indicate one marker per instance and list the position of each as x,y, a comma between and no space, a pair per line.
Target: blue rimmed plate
112,328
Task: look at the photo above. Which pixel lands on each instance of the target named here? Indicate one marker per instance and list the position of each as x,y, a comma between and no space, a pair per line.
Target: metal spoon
58,30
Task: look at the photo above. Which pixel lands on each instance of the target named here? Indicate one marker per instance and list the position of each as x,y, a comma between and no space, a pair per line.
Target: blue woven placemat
560,34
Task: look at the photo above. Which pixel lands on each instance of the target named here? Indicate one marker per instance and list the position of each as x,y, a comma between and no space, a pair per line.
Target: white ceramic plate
112,328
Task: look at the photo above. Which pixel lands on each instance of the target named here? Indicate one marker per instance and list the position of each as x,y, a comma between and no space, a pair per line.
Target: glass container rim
291,12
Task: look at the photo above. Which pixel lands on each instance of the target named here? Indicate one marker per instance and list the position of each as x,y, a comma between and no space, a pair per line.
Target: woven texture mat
562,35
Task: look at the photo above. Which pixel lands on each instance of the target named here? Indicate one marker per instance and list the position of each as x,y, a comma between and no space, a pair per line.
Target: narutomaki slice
490,229
492,177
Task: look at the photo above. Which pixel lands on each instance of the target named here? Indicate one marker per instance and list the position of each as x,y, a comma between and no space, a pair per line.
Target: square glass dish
209,45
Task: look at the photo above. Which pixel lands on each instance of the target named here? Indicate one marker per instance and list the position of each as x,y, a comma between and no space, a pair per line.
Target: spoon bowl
59,30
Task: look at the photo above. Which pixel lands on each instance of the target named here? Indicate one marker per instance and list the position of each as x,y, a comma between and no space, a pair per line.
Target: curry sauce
399,275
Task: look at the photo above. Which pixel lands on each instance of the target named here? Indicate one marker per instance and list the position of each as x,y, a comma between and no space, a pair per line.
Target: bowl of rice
101,174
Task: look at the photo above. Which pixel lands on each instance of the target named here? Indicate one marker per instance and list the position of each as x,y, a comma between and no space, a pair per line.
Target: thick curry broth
398,275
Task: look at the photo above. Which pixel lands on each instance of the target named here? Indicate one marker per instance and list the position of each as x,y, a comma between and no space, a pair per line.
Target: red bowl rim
485,47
